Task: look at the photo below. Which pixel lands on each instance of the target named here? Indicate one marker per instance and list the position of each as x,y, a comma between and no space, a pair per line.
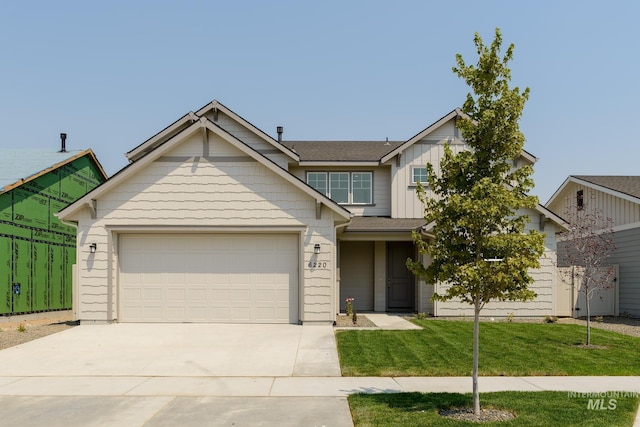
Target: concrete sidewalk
298,386
239,401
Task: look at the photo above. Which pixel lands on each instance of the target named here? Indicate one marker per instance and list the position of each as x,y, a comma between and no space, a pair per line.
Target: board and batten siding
180,190
621,211
544,285
254,141
430,149
627,257
381,187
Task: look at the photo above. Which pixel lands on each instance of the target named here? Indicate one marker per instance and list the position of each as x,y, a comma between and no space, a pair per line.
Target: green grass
542,408
445,348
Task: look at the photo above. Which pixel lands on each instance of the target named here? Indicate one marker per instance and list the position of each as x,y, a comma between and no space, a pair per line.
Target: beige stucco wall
171,194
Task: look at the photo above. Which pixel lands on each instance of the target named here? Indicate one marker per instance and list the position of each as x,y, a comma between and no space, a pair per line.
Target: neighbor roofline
606,190
87,152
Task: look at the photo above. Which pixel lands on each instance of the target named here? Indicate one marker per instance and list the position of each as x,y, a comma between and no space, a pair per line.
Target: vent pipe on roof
63,142
279,129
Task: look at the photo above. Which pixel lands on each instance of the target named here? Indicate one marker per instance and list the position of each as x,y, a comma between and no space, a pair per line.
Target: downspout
336,302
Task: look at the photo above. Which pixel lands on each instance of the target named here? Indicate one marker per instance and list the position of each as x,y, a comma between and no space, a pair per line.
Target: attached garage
225,278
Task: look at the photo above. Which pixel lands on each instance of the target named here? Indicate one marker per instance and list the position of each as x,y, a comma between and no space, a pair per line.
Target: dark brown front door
400,281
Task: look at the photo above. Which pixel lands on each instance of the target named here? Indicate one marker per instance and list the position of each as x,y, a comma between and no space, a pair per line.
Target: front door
400,281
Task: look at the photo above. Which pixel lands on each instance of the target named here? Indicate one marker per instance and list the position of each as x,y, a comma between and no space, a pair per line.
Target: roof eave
213,105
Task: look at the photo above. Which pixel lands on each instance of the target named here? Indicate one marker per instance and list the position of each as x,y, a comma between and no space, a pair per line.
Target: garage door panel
209,278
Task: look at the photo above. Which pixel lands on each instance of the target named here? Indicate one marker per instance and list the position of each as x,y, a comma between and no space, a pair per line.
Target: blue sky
111,74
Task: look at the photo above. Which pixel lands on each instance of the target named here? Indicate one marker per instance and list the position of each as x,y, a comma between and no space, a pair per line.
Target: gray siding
356,274
627,256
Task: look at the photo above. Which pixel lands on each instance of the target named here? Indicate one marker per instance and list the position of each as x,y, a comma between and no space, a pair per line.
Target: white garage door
225,278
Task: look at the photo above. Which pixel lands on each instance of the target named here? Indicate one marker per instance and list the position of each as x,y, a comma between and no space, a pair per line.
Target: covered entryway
400,281
209,278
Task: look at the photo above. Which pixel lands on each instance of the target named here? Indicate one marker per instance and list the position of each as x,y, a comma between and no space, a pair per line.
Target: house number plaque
314,265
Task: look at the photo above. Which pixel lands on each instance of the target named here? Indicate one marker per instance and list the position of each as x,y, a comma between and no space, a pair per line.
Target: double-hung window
344,187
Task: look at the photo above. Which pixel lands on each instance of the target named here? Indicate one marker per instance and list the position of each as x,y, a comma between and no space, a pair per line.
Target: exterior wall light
92,248
316,248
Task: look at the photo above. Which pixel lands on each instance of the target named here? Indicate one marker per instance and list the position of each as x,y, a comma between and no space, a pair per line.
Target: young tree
588,244
479,248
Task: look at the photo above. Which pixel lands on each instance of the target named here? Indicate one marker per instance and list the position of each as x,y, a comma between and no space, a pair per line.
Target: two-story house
213,220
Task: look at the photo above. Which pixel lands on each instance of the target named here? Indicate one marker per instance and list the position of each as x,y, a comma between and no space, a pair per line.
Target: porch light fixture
92,248
316,248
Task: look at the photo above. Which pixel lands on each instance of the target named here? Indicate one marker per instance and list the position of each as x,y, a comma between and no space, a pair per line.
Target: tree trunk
476,347
586,297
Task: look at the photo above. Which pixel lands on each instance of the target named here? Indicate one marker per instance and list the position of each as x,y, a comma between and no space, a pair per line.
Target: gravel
15,333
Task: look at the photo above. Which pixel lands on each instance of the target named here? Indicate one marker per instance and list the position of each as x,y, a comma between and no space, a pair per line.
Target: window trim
350,173
413,176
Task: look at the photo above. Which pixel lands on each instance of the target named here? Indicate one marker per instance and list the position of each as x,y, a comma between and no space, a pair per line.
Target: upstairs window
318,180
419,175
580,199
355,188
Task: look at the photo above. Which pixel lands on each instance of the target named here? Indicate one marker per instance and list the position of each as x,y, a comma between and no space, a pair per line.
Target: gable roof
191,117
626,187
457,113
155,153
341,151
18,166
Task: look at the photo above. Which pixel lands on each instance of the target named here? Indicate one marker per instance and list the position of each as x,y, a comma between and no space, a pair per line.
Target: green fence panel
40,277
30,209
69,260
56,263
6,207
13,230
6,249
71,188
55,223
21,283
48,184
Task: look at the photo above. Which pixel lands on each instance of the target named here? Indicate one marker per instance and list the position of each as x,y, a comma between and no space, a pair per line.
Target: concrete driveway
170,374
177,350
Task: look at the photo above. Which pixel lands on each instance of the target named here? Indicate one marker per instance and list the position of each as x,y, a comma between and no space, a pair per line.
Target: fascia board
139,151
257,131
338,163
421,135
559,191
275,168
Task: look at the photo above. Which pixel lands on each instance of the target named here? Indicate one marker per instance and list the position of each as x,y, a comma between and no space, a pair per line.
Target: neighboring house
213,220
37,251
618,198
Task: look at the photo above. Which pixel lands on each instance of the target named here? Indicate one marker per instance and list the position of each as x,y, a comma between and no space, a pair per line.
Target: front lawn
444,348
542,408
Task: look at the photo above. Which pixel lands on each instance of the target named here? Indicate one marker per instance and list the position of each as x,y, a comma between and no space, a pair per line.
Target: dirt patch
486,415
16,332
344,321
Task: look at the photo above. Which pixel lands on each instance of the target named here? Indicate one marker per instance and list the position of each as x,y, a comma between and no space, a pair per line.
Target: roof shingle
341,151
629,185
